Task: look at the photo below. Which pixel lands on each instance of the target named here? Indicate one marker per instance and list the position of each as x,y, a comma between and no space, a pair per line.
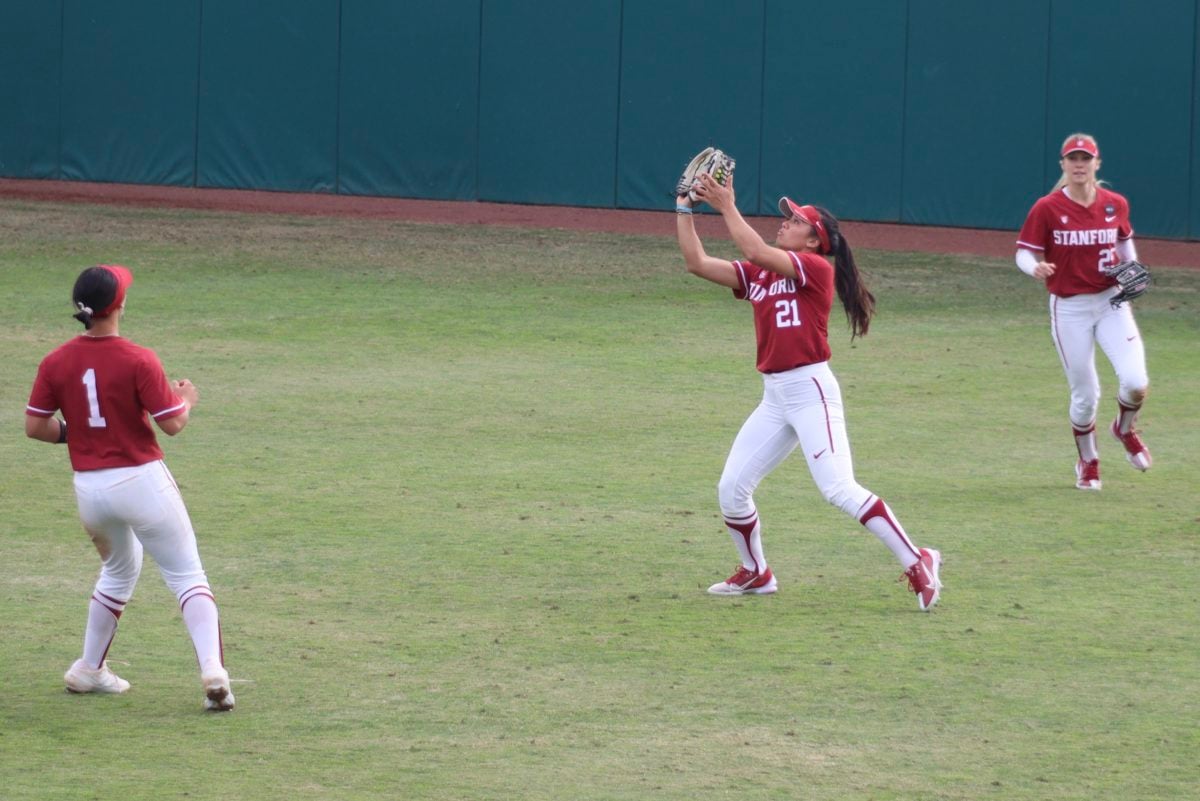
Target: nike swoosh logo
1130,339
817,455
1110,219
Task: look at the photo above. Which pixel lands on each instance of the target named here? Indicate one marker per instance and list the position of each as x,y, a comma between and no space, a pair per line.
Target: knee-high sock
747,536
1126,416
879,520
1085,442
199,610
103,613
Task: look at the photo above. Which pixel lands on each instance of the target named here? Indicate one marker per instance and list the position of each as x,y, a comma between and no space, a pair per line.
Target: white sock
203,624
1085,441
879,520
103,613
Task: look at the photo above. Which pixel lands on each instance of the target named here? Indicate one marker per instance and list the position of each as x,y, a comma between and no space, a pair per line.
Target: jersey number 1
94,418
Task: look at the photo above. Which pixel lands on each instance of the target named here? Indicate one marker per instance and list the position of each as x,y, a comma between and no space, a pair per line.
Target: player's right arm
1031,264
710,268
1031,244
186,391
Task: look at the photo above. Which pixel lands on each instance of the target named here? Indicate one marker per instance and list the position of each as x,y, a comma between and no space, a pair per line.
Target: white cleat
82,679
218,697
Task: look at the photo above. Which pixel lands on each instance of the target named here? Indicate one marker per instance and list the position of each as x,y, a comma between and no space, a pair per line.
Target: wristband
62,432
680,209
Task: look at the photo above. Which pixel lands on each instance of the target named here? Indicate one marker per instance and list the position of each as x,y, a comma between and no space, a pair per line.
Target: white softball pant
1079,322
127,508
799,407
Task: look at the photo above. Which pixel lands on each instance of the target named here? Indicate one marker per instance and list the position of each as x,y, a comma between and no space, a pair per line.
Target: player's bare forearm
699,263
748,241
43,429
173,425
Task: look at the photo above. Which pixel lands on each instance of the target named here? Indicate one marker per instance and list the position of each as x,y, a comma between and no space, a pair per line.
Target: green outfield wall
937,112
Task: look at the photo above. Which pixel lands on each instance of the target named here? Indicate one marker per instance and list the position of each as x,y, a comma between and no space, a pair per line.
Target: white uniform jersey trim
799,268
177,407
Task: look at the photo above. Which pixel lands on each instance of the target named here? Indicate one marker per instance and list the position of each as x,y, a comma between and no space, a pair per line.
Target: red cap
808,214
1081,145
124,281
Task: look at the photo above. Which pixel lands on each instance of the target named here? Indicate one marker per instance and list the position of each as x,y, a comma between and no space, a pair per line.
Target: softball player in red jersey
1067,240
791,288
105,386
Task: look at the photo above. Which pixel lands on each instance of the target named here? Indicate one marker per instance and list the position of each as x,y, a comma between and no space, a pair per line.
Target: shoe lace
914,578
742,576
1091,471
1133,443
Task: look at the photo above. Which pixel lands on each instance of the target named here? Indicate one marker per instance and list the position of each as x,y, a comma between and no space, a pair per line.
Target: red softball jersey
105,386
1079,240
791,315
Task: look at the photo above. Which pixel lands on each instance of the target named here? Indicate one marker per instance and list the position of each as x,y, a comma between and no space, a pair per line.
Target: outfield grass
455,490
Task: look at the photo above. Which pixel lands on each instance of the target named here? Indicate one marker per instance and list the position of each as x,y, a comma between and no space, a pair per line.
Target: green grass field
455,490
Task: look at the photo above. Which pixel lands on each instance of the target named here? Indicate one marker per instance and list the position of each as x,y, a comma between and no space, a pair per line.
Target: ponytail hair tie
85,309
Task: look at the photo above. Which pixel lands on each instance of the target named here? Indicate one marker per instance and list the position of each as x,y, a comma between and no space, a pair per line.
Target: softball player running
1067,240
105,386
791,288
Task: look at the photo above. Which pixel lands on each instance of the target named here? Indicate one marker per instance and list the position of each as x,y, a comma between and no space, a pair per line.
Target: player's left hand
720,197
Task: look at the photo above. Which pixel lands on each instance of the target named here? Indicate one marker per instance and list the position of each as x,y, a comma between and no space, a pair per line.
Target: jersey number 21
787,313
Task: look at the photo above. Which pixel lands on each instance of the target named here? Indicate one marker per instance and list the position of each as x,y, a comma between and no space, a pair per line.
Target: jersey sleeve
813,273
1034,232
154,391
798,263
42,400
1125,229
743,289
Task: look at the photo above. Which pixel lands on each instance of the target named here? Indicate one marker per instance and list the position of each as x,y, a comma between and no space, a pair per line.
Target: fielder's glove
1133,279
710,160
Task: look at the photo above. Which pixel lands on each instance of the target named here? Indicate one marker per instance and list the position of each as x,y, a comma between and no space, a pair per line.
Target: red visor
1080,145
124,281
808,214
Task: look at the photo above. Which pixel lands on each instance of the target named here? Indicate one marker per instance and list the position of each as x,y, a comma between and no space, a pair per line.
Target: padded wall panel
129,91
30,69
409,98
268,95
548,101
974,123
1128,79
834,110
685,84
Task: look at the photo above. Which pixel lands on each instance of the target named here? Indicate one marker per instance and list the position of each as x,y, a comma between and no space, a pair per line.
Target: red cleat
746,582
1135,450
923,578
1087,474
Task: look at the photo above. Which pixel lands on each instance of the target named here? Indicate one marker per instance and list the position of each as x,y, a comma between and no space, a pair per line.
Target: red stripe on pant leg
1057,339
825,405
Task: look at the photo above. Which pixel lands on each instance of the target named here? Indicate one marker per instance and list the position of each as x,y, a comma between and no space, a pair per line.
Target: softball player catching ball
105,386
791,288
1070,236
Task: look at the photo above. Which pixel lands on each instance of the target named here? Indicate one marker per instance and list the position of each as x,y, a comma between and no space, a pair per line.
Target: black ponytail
856,299
94,291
